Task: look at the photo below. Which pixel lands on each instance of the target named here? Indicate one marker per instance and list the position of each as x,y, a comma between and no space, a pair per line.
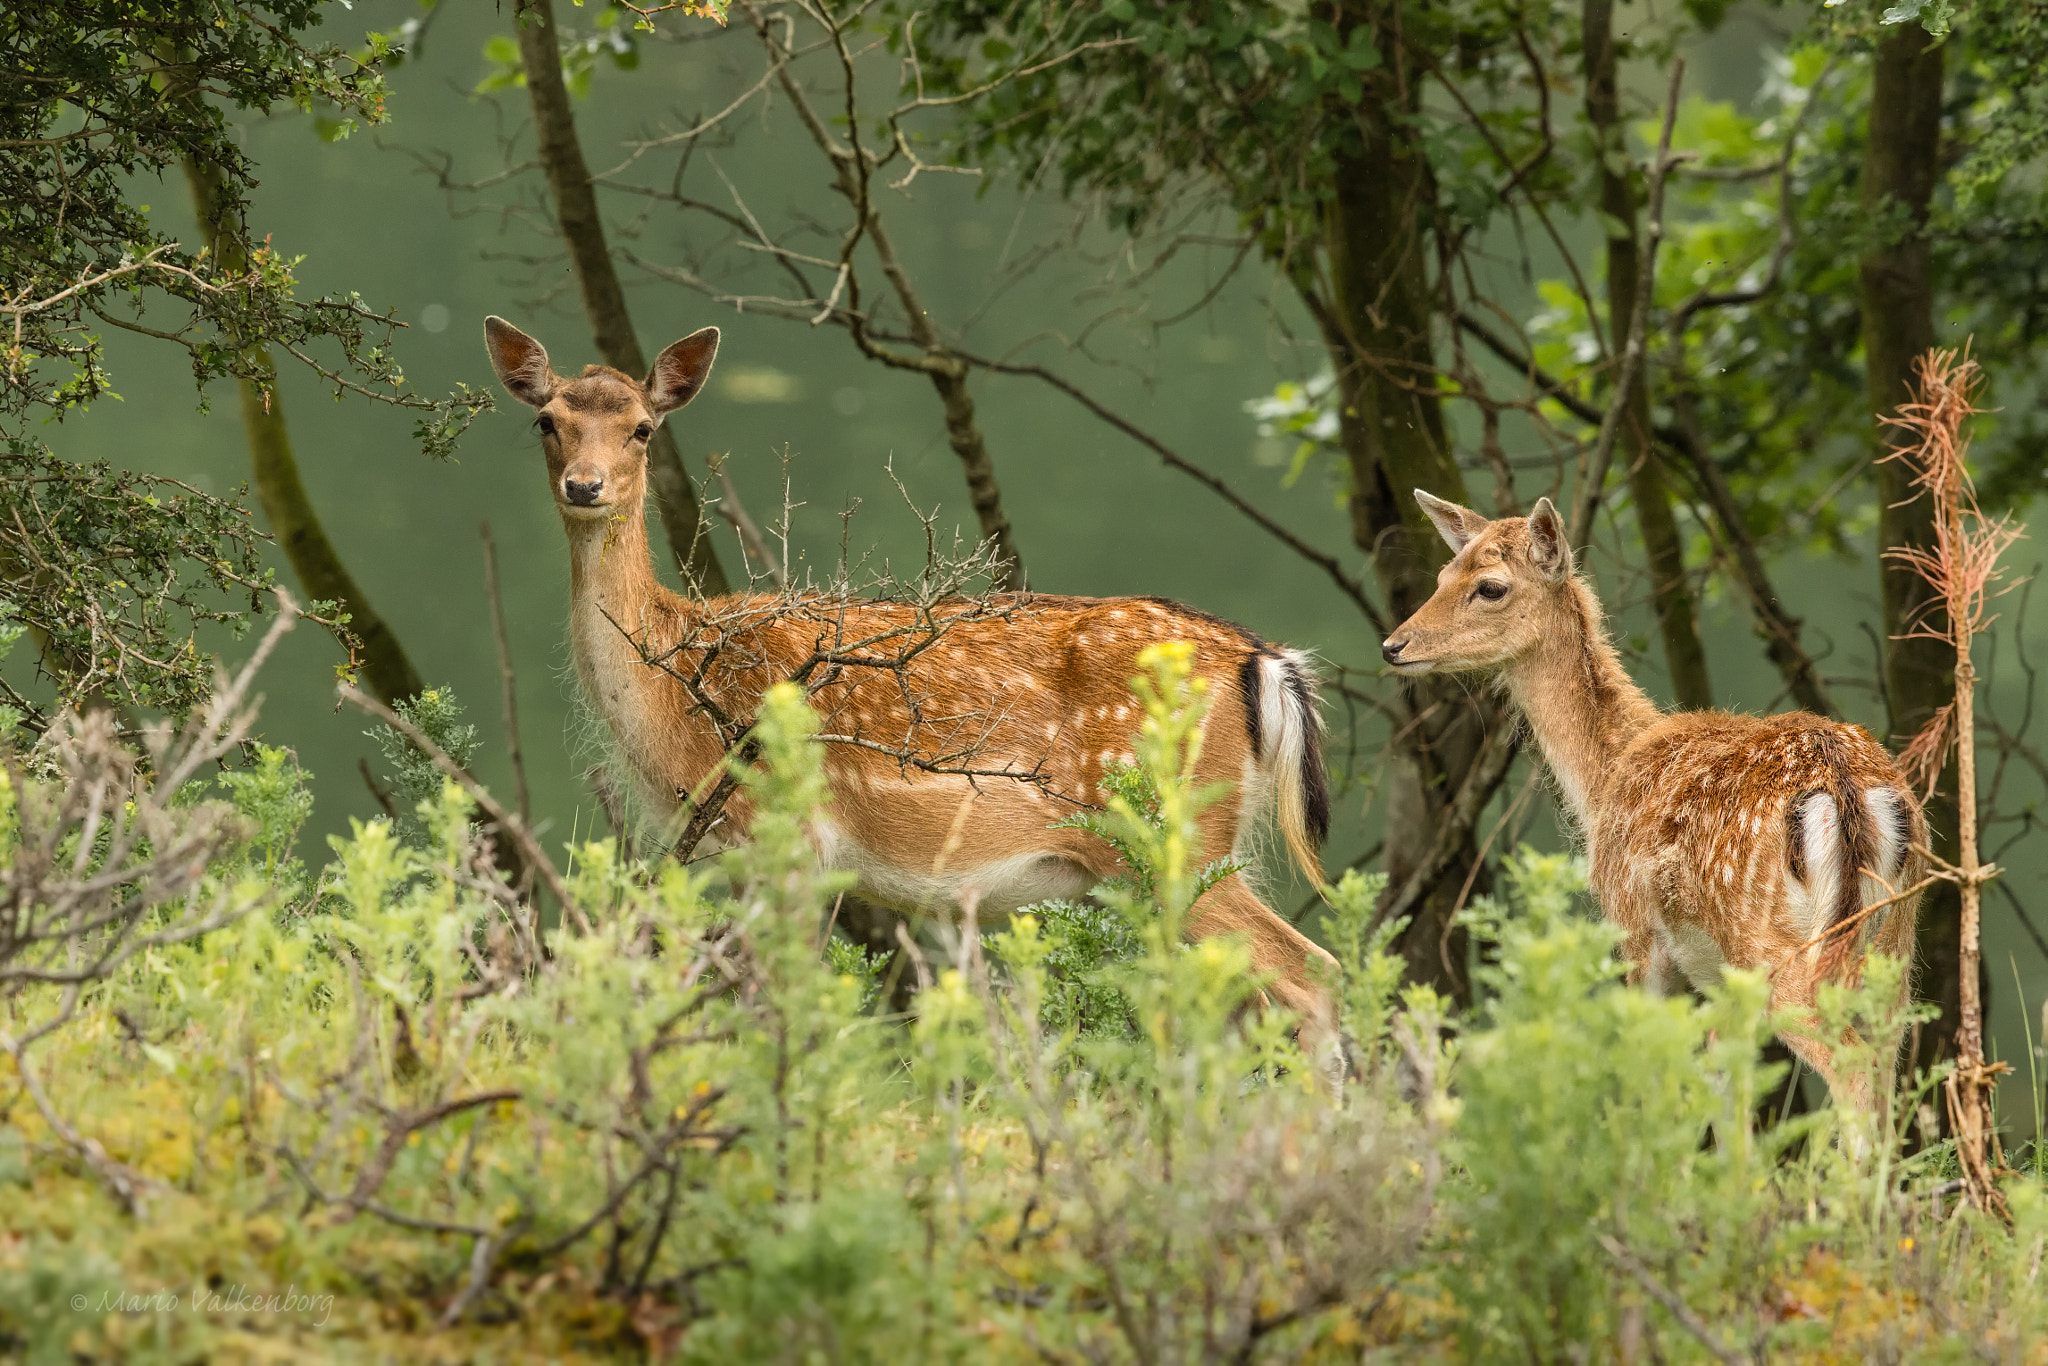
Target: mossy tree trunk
1663,550
1375,315
1901,165
381,661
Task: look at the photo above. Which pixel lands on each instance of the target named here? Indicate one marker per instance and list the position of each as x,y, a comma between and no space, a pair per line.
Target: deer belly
1694,952
993,888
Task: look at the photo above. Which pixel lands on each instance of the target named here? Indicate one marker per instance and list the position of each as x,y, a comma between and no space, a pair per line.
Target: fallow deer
1714,839
1038,683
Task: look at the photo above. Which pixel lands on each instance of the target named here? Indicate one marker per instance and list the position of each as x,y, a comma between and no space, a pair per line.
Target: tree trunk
1670,591
381,661
1376,323
1900,168
963,433
949,376
597,279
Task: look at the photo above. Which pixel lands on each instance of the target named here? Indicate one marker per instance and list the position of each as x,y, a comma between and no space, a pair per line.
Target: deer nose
1391,648
583,492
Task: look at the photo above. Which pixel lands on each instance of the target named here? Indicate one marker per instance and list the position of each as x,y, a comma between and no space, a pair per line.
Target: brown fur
1040,686
1694,822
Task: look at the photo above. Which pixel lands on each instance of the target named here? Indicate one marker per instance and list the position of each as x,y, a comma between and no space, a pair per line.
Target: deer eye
546,424
1491,591
643,431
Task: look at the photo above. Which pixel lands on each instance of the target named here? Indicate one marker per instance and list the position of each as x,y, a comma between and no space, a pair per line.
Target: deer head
1501,596
595,428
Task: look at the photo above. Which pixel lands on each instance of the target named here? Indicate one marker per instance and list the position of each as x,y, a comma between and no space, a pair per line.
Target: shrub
405,1122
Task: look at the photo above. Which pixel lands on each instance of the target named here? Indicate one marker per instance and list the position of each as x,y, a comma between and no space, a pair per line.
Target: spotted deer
1037,684
1714,839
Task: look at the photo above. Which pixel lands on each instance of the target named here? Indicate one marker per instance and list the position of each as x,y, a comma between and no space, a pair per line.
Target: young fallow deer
1038,683
1714,839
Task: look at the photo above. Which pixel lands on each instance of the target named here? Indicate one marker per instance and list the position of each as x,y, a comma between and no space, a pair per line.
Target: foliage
96,100
1086,949
1241,91
415,779
113,572
103,93
613,36
1306,412
273,794
404,1122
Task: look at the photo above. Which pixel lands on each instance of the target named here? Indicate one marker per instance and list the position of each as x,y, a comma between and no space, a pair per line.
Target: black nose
1392,648
583,494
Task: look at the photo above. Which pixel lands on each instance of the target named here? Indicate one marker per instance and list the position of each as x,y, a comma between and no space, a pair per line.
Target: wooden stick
505,678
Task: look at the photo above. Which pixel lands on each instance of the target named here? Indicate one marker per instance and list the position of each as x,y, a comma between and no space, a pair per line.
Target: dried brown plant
1962,567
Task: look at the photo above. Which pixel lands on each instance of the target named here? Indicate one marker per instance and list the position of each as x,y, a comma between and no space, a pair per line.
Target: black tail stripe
1248,684
1315,786
1853,824
1795,836
1902,822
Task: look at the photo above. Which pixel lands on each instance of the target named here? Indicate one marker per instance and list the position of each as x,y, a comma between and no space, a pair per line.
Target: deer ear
1548,547
679,372
521,362
1457,525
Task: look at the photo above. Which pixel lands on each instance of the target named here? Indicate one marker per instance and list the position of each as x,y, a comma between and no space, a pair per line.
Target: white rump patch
1887,816
1820,831
1283,735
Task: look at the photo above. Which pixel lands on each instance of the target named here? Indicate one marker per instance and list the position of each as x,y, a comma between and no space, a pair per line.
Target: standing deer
1714,839
956,738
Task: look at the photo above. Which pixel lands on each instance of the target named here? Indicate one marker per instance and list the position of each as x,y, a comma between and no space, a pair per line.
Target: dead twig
1687,1317
506,682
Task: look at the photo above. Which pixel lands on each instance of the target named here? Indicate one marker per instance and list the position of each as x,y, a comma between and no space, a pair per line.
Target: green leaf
1361,55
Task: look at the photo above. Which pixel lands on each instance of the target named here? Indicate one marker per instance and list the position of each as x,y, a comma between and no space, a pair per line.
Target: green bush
405,1122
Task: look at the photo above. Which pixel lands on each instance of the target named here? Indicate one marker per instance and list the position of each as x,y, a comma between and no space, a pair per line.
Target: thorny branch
845,639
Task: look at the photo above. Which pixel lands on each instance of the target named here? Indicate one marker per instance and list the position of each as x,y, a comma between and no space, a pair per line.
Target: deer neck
1582,706
620,614
610,567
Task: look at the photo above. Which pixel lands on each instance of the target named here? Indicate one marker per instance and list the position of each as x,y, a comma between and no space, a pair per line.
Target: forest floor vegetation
379,1109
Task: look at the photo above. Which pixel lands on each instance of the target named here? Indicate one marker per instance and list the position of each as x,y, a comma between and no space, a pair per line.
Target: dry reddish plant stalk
1961,566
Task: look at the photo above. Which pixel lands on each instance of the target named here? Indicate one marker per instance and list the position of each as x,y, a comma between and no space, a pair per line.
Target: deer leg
1297,969
1649,962
1851,1093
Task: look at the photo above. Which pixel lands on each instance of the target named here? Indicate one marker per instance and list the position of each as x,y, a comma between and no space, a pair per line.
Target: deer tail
1845,838
1287,741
